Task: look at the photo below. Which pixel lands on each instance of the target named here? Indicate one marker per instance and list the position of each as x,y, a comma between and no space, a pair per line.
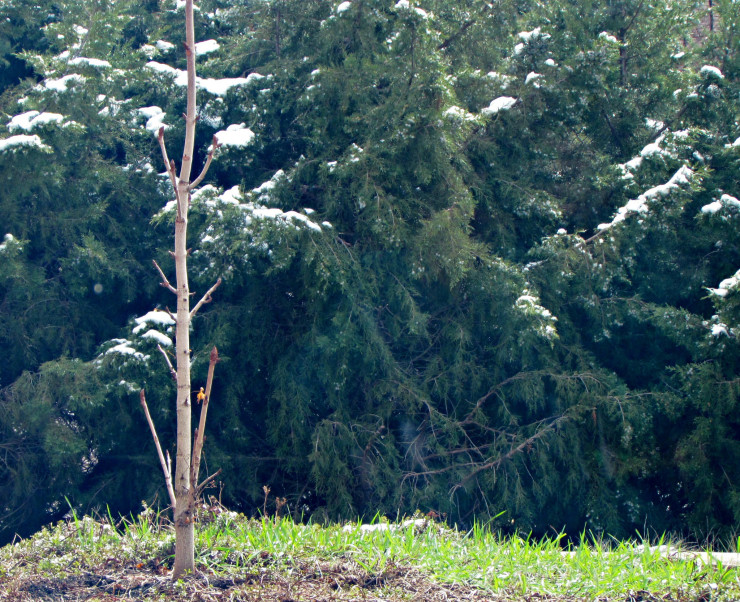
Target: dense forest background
478,257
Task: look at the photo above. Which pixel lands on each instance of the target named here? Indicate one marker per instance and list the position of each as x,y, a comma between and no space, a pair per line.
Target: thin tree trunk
184,489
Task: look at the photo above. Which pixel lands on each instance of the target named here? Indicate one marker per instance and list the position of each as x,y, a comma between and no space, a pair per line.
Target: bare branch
206,299
169,165
165,469
199,489
214,145
170,314
173,373
199,433
165,283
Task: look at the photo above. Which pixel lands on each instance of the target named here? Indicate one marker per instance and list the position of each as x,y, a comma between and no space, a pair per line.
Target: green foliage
430,299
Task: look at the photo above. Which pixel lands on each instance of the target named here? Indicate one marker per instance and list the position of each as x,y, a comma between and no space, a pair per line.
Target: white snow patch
458,113
156,317
709,70
654,149
7,239
654,124
20,141
238,135
263,190
403,4
533,77
631,165
164,45
640,204
380,527
604,35
155,118
712,207
720,329
124,348
206,47
502,103
97,63
30,119
342,7
160,338
217,87
61,84
528,36
726,285
500,78
725,200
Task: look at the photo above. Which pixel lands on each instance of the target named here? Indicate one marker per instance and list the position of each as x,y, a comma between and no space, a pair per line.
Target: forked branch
165,283
205,299
214,145
206,482
165,468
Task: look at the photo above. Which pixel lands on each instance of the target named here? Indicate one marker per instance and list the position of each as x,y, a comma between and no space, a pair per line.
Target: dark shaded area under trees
448,329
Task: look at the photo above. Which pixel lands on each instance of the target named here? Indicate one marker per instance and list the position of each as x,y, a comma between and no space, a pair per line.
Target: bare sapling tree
184,490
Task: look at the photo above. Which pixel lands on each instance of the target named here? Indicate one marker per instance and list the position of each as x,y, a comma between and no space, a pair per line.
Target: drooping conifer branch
495,463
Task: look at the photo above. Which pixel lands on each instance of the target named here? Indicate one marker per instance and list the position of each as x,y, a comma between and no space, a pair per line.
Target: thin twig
200,431
165,469
214,145
199,489
165,283
173,373
205,299
169,166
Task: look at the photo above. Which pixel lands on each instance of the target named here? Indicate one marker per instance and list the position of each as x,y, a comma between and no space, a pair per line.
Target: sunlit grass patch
242,553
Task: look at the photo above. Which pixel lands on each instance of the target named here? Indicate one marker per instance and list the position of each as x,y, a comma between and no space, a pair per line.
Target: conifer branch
214,145
519,376
199,433
526,444
167,472
205,299
165,283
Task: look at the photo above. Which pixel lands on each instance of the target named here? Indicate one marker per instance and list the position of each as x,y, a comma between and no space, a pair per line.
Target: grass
277,559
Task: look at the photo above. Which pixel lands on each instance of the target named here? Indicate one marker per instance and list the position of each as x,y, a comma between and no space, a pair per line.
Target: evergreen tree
475,259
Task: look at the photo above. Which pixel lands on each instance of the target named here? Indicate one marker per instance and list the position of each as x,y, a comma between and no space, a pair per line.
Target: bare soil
320,581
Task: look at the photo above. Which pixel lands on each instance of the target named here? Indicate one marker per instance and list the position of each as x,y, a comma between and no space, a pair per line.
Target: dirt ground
321,582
